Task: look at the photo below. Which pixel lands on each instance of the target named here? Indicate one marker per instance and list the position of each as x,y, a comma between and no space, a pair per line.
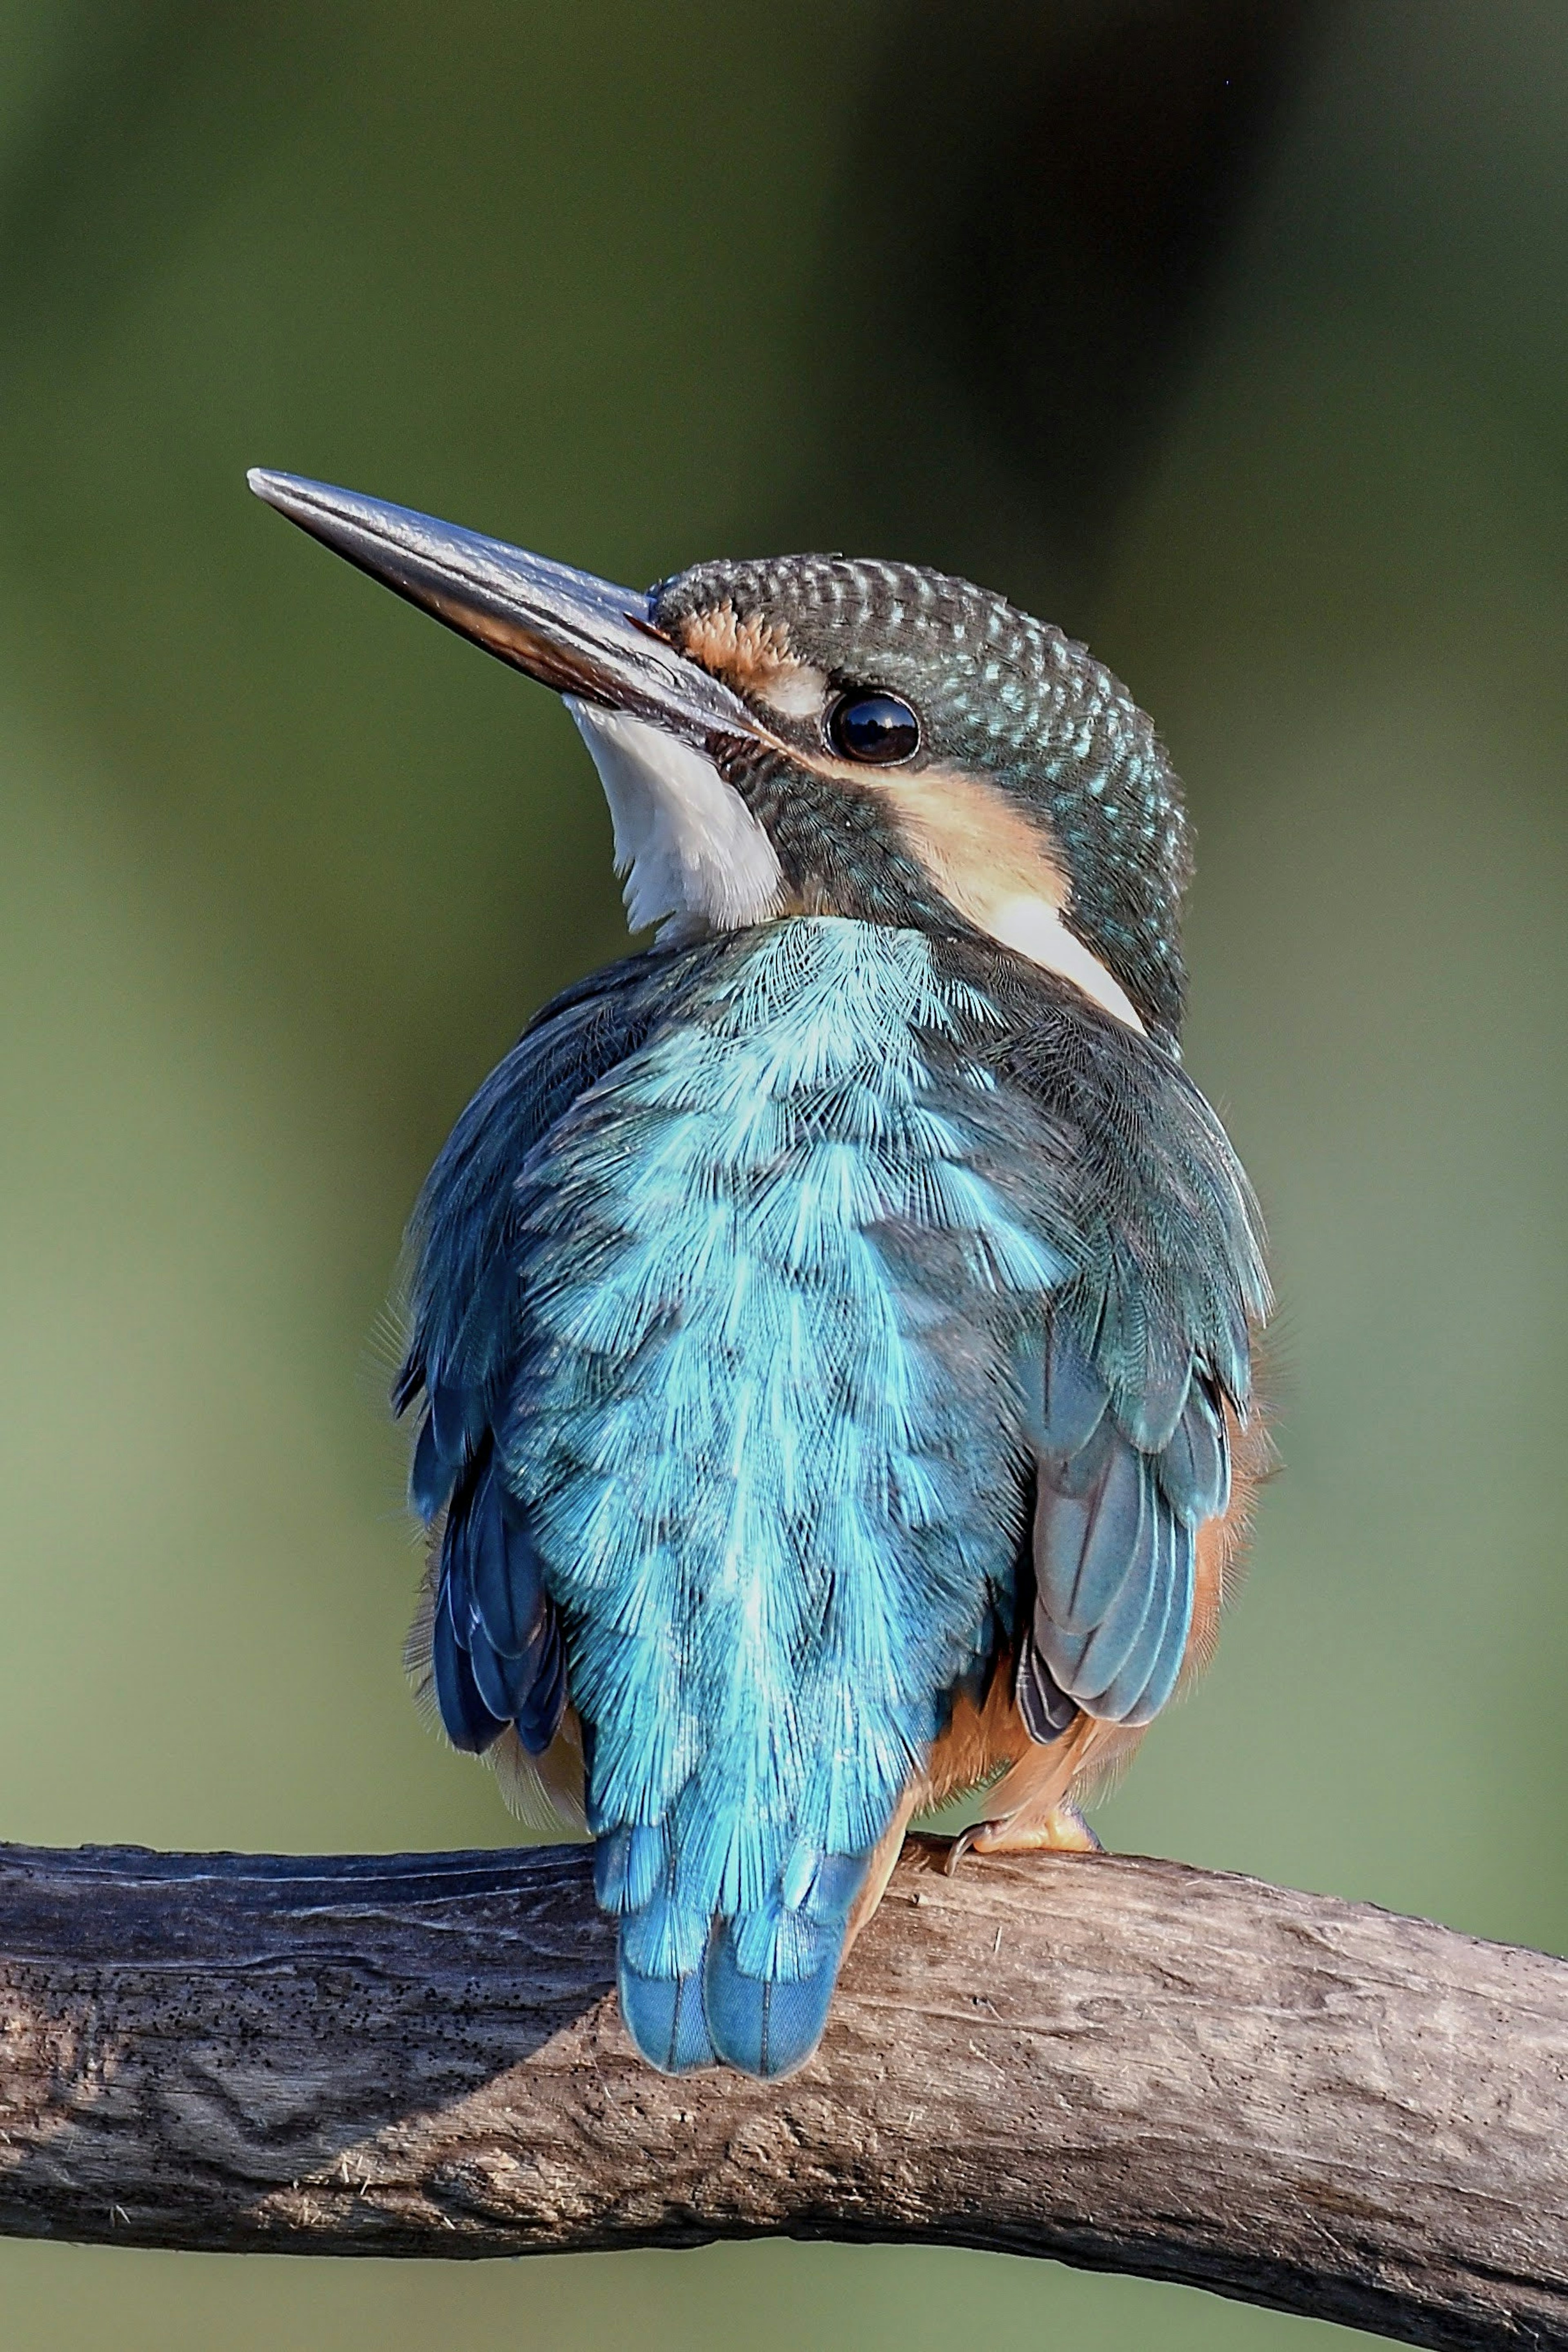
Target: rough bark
1122,2063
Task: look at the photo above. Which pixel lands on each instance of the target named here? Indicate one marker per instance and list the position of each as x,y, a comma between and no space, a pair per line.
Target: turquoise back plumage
766,1511
745,1290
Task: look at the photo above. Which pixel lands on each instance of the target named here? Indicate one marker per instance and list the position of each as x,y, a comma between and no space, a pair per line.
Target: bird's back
735,1334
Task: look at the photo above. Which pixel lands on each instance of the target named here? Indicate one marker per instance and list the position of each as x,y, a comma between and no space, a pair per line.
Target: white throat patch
692,854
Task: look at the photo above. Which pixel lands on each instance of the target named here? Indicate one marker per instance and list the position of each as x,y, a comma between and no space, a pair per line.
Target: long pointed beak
580,635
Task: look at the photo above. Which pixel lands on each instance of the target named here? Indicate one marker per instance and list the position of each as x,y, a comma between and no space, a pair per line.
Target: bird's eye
879,729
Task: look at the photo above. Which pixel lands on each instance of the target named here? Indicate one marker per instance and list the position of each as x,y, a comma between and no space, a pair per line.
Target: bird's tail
749,1988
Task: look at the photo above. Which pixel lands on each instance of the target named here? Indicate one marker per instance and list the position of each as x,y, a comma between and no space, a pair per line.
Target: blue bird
831,1325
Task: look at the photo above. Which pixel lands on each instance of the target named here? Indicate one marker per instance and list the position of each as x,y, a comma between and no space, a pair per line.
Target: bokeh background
1235,337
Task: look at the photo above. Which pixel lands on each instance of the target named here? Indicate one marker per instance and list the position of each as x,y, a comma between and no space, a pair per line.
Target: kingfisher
831,1327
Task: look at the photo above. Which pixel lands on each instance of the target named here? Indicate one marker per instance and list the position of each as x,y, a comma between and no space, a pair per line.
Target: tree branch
1122,2064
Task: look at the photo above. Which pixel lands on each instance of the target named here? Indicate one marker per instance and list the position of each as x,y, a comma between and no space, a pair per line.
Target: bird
832,1328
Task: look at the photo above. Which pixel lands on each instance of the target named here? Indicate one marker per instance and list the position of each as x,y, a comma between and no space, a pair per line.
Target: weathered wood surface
1122,2064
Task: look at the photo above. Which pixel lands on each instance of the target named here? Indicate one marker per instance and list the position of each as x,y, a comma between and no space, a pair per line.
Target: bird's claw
1062,1831
959,1846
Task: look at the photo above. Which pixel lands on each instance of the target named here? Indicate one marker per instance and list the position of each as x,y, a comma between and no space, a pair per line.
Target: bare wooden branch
1122,2063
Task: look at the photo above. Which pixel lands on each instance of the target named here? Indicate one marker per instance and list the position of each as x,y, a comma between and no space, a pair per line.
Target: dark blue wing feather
1089,1524
1044,1708
1195,1468
1073,1398
469,1722
431,1477
1126,1666
1114,1565
496,1648
538,1716
496,1652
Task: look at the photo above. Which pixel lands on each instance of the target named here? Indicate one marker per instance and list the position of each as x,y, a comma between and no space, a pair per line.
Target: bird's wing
1114,1546
1147,1348
494,1655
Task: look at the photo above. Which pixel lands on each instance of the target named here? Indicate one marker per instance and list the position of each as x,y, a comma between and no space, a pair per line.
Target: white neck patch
690,850
1033,928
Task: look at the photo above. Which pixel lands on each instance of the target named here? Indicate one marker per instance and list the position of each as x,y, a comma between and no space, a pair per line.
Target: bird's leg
1034,1809
1062,1829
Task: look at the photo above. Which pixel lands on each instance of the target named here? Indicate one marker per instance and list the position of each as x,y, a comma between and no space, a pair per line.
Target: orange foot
1063,1830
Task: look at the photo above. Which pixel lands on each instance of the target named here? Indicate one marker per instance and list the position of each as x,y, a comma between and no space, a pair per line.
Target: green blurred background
1235,337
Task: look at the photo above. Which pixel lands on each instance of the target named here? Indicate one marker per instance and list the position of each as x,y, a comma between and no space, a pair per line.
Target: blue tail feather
765,2025
751,1987
666,2019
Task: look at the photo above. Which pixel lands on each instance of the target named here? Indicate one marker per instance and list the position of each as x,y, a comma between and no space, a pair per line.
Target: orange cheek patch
753,655
978,848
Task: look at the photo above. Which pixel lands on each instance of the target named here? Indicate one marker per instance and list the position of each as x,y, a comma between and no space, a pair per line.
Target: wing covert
1147,1349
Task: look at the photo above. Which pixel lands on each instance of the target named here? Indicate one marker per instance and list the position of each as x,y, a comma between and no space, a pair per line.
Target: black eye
877,727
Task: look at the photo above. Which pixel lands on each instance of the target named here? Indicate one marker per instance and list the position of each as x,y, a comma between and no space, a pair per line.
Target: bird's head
812,734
